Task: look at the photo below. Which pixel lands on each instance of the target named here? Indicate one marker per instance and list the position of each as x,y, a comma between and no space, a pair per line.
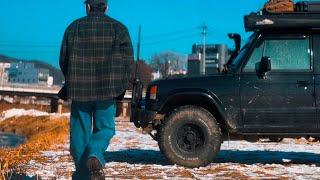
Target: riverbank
42,133
132,155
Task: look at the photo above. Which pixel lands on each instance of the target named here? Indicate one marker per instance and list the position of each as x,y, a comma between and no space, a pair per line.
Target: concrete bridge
29,90
23,90
37,90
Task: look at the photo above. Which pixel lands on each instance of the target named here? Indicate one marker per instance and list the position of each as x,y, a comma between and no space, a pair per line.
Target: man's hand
63,93
121,96
225,68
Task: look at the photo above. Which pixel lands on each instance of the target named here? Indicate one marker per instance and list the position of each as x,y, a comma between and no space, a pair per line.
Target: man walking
96,59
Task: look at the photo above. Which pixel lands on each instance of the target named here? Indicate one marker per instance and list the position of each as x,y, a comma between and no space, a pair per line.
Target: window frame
265,37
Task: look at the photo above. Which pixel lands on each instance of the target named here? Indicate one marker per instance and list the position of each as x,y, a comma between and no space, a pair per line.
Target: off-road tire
199,128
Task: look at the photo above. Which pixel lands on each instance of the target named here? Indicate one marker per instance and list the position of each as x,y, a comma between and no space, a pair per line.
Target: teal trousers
92,125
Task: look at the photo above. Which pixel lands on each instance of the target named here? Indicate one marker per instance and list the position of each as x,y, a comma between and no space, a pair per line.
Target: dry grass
42,134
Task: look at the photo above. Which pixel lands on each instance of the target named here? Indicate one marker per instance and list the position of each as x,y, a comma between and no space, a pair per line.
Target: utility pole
203,61
138,53
137,86
139,44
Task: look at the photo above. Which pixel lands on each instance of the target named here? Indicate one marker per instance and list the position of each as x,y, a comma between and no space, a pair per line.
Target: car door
284,101
316,44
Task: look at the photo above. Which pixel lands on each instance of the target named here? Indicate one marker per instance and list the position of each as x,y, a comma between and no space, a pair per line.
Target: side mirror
263,67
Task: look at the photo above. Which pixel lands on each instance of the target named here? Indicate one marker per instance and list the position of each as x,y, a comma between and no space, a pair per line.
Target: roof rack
305,16
295,20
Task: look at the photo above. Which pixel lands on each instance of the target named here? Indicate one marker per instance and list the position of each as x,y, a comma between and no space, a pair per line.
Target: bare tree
168,62
144,73
156,63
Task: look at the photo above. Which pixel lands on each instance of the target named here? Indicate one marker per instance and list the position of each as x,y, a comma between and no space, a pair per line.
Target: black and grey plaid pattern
96,58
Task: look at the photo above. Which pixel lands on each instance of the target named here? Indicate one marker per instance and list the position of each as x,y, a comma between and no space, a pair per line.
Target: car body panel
284,103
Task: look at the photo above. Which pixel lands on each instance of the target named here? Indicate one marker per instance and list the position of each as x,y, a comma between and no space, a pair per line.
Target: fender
177,94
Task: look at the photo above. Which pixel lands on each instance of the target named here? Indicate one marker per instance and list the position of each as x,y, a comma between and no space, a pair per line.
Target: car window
285,54
243,50
255,58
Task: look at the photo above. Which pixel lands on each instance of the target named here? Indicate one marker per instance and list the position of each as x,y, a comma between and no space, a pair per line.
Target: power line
24,43
57,44
171,40
29,46
180,37
167,34
54,47
31,51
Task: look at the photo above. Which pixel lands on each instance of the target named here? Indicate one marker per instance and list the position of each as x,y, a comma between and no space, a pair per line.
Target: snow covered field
133,155
22,112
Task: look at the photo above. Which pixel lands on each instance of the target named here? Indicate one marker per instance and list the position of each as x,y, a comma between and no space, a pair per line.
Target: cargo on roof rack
307,6
297,20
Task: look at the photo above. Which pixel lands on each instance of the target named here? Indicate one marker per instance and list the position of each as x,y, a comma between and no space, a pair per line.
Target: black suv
269,89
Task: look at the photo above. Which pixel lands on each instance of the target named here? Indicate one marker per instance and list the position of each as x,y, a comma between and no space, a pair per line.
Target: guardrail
20,88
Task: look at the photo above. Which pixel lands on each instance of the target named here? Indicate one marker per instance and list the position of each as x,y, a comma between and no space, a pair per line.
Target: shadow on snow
152,157
148,157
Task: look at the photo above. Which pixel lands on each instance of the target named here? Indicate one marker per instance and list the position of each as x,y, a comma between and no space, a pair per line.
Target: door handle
302,83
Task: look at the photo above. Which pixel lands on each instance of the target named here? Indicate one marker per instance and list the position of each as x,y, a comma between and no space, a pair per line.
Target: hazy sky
33,29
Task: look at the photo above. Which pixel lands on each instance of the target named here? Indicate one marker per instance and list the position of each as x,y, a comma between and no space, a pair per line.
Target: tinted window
285,54
255,57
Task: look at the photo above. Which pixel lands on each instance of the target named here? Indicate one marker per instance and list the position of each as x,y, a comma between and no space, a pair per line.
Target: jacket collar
96,14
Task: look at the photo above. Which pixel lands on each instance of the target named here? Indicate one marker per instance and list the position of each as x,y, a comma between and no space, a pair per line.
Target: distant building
4,78
216,57
43,76
177,72
194,64
27,73
50,81
23,73
156,75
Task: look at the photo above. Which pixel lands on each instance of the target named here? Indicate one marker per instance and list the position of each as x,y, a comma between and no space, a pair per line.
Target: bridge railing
52,90
16,85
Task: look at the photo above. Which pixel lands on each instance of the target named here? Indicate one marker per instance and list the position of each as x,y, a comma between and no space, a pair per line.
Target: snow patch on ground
132,155
22,112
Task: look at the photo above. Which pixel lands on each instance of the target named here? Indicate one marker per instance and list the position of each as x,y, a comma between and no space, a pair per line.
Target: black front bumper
142,117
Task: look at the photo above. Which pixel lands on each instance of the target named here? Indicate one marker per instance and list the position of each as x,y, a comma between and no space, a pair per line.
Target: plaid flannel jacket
96,59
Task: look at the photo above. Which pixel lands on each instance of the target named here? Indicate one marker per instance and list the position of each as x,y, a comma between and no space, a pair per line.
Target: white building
4,77
156,75
50,81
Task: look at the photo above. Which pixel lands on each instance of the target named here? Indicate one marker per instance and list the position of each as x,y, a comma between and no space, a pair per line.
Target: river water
10,140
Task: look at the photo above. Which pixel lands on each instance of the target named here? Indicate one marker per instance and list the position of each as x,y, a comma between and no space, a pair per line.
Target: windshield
237,60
